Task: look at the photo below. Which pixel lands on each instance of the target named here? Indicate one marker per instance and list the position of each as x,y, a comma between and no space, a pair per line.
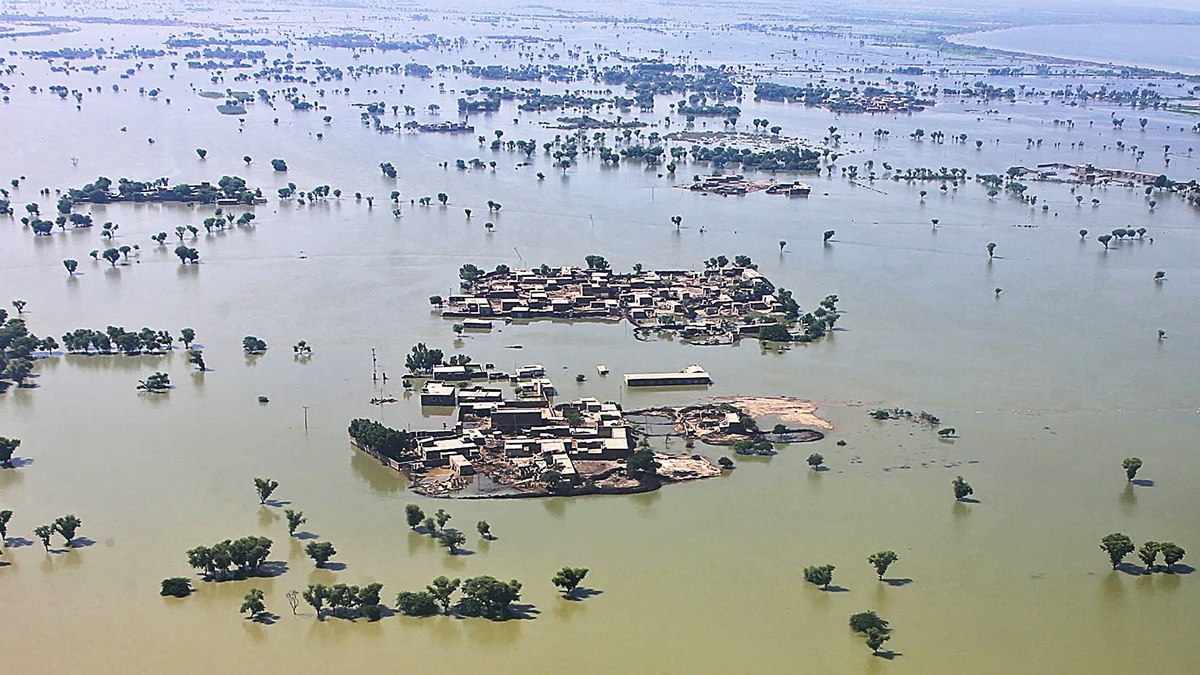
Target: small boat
602,369
514,347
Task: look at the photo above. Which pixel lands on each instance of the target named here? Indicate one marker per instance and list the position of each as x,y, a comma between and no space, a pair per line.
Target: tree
316,595
775,332
864,621
1172,553
43,532
1117,546
112,255
5,516
596,262
882,560
253,345
422,359
440,589
452,539
1104,239
484,529
876,638
71,265
642,462
279,165
568,578
1131,466
320,552
264,487
828,235
420,603
253,604
815,460
66,526
819,575
197,359
962,489
429,525
294,519
991,249
7,447
488,597
470,273
202,152
414,515
1148,554
18,369
179,587
387,169
187,336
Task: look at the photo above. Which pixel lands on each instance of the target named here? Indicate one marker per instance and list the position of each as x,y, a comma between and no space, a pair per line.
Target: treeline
17,347
236,559
373,436
100,192
145,341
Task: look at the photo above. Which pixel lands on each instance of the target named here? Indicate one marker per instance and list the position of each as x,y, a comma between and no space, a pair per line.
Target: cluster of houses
518,439
737,184
1088,174
718,305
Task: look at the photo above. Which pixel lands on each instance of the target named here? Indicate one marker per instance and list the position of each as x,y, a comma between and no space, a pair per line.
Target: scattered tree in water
1131,466
882,560
294,520
71,265
1148,554
819,575
815,460
5,516
215,562
864,621
252,604
1117,546
155,384
7,447
962,489
179,587
320,552
67,526
452,539
1172,553
279,165
197,359
414,515
43,533
568,579
484,529
253,345
264,487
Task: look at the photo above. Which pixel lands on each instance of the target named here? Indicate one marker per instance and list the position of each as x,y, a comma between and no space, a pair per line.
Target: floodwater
1160,46
1050,384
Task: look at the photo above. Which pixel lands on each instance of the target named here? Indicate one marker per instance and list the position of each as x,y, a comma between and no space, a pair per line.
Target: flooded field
1049,382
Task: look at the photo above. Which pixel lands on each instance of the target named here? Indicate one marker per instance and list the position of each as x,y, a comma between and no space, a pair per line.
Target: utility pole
374,370
305,419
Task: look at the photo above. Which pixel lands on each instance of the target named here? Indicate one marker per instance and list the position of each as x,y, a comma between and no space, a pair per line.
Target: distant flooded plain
1050,383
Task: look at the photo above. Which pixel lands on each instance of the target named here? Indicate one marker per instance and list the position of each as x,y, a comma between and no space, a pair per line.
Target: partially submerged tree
320,552
294,520
1117,546
568,579
1131,466
441,589
819,575
67,526
253,604
414,515
962,489
179,587
881,560
264,487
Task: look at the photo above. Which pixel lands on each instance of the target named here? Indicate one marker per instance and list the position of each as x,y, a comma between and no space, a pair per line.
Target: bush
178,587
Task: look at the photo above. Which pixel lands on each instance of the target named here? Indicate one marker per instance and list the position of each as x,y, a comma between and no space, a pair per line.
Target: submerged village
525,444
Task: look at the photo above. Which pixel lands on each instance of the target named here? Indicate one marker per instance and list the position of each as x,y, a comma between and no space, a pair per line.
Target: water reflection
1112,589
960,511
1128,500
379,478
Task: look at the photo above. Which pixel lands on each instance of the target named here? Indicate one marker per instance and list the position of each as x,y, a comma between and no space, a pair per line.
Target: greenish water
1050,385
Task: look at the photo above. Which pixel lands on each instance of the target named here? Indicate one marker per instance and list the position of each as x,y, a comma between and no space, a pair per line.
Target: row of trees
483,596
373,436
822,575
145,341
231,559
66,526
345,601
1118,546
